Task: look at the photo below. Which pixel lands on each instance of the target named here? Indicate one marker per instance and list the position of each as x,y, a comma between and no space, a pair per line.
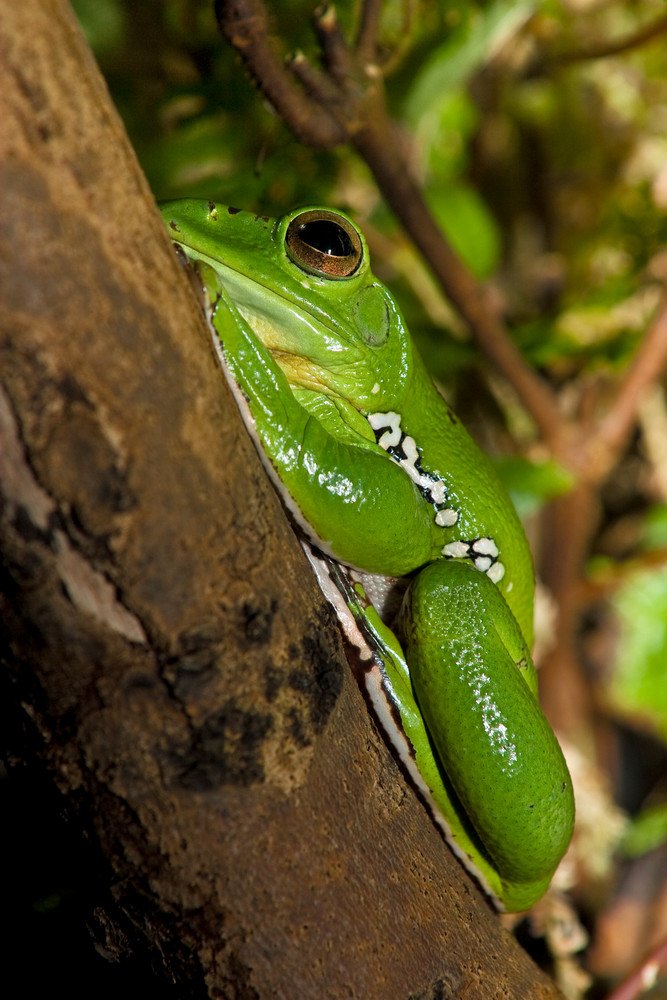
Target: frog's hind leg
472,677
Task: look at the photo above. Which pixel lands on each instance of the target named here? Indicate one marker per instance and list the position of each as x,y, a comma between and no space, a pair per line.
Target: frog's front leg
474,684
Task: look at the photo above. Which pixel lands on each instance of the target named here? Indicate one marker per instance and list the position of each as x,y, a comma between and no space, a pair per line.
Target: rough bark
171,665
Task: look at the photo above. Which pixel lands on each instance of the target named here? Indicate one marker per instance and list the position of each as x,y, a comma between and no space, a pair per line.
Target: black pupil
327,237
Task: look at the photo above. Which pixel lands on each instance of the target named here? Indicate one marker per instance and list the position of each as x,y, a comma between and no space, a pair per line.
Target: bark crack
88,589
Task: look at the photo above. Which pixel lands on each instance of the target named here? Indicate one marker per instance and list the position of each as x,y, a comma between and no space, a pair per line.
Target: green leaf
655,527
102,22
638,681
469,226
531,484
646,832
466,48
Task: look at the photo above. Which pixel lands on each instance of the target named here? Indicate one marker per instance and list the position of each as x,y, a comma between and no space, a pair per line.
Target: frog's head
304,285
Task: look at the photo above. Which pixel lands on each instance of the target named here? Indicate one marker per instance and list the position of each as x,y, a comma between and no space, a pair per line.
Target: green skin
334,386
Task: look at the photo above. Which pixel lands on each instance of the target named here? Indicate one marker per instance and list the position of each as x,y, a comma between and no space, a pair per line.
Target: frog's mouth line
299,370
239,280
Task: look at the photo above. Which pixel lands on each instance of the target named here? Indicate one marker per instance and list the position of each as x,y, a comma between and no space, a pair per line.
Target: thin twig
245,25
369,26
381,149
368,48
649,363
337,56
603,50
643,978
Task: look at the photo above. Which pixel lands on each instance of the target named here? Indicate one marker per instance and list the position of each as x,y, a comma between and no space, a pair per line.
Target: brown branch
369,26
337,56
379,146
643,978
649,364
357,104
245,25
568,525
367,46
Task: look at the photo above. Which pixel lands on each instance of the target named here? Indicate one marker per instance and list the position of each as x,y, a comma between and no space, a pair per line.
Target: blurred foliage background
542,153
547,175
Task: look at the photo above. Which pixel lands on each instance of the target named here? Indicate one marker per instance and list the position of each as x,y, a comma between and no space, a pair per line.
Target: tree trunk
172,666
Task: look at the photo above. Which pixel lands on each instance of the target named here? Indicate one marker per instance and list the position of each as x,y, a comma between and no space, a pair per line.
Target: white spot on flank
403,450
456,550
438,492
435,488
394,438
445,518
392,420
376,389
411,453
486,547
483,552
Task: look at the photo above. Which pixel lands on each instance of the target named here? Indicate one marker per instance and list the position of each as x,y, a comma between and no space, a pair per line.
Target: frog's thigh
488,730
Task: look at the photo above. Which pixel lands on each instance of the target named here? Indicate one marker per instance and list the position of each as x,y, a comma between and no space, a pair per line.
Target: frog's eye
324,243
